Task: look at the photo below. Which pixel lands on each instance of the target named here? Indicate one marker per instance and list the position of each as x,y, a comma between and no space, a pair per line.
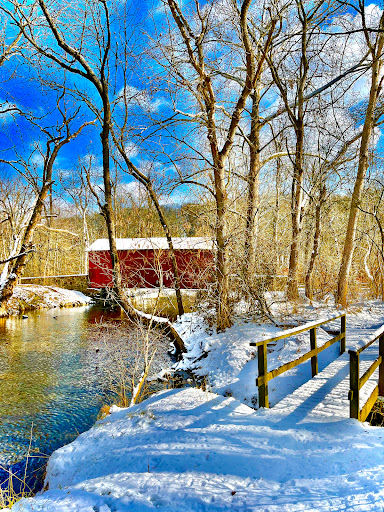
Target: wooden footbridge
347,388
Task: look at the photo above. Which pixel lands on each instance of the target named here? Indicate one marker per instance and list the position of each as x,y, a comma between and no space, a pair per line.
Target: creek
54,378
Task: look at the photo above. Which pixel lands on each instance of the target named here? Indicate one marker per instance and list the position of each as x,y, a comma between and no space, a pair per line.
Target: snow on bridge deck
324,398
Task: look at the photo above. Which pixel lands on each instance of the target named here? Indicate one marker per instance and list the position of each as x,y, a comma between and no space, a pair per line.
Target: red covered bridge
146,263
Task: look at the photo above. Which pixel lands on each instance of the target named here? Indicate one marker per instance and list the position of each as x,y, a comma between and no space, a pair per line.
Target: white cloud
159,9
135,97
37,159
131,150
132,189
137,192
373,14
174,199
8,111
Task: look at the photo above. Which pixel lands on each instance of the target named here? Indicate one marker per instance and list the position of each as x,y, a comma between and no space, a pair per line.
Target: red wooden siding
146,267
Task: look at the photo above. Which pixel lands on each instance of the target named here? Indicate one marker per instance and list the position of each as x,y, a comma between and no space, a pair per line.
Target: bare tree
375,44
55,139
309,19
194,72
121,131
15,210
79,59
73,52
75,185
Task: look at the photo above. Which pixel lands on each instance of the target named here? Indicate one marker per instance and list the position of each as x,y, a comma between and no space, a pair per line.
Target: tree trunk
316,244
296,205
349,244
145,181
107,208
224,312
276,215
252,191
85,241
175,270
19,263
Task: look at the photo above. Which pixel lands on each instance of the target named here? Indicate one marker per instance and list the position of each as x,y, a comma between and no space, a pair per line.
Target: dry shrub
376,416
15,487
125,353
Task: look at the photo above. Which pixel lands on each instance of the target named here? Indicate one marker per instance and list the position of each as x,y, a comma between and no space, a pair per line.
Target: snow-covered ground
193,450
31,296
189,450
227,361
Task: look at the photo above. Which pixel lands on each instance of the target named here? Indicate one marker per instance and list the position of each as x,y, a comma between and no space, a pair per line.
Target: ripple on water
54,377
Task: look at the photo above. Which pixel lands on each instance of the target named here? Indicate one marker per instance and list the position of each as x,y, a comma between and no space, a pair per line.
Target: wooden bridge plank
295,330
325,397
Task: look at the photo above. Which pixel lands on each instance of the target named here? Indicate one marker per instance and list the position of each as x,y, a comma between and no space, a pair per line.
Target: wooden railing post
265,376
342,331
314,363
354,393
263,371
381,367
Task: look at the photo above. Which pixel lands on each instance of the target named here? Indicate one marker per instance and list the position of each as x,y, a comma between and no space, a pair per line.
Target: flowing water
51,385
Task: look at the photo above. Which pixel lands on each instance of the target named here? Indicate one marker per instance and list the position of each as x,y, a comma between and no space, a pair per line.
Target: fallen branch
58,230
166,325
16,256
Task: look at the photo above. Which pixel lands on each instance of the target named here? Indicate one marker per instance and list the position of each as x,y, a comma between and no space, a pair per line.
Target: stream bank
58,367
32,297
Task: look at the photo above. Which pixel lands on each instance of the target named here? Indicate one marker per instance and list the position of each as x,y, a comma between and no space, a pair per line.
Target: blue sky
19,85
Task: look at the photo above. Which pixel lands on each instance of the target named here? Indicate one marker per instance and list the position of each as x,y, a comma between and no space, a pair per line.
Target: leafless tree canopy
254,123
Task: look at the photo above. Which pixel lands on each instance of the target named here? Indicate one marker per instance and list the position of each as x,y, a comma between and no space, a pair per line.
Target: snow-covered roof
126,244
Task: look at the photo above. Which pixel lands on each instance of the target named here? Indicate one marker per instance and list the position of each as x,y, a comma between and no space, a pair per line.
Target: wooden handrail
377,335
370,371
356,382
295,330
265,376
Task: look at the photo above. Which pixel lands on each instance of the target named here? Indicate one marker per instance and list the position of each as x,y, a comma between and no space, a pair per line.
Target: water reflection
50,377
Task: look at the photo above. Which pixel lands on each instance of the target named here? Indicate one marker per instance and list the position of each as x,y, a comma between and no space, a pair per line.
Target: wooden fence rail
265,376
357,382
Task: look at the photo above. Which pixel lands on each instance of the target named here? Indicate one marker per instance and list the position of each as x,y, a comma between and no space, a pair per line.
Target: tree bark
316,244
349,244
250,245
296,208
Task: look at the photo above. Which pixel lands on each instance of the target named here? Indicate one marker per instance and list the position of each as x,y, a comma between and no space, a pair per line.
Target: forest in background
255,123
60,245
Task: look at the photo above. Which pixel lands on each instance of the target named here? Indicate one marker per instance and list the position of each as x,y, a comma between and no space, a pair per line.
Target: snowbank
195,451
227,361
30,297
